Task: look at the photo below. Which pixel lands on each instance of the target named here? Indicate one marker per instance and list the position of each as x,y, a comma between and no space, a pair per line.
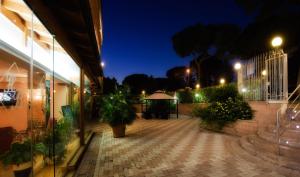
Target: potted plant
53,147
19,156
117,112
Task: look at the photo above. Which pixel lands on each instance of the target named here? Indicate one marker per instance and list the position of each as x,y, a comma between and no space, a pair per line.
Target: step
269,152
280,164
267,135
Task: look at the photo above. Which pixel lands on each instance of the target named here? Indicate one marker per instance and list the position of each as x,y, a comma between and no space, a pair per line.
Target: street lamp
188,70
237,66
222,81
276,41
102,64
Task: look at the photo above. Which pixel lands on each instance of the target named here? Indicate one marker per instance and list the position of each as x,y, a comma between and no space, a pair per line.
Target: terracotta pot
119,130
22,170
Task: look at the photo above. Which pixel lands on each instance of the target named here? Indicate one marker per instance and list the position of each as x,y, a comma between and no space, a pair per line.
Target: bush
220,93
116,110
226,106
185,96
20,152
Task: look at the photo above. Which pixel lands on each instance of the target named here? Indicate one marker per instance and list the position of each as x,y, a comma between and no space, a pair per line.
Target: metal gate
276,76
264,77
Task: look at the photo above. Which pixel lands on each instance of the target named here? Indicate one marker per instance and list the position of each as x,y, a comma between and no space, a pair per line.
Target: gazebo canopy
159,95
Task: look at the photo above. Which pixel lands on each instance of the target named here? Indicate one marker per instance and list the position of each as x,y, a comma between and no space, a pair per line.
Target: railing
264,77
287,113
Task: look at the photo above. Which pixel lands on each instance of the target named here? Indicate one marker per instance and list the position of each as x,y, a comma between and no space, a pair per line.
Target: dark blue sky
137,33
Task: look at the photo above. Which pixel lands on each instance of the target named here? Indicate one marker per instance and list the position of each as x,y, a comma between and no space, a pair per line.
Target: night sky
137,33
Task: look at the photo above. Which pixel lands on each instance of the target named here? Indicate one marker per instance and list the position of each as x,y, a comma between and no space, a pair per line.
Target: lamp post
238,69
188,71
102,64
276,42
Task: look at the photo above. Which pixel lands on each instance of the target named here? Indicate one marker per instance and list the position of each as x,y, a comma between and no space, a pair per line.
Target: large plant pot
22,170
119,130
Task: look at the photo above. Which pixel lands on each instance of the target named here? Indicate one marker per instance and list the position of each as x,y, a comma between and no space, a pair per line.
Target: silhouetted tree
201,42
139,82
213,69
176,78
109,85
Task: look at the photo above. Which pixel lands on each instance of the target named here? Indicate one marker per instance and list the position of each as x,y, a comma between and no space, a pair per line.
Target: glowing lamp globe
276,41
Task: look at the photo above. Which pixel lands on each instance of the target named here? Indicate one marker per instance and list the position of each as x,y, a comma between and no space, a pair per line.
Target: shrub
226,106
116,110
220,93
20,152
185,96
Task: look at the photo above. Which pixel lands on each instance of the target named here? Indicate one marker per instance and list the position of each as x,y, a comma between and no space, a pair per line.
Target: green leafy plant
185,96
220,93
116,110
20,152
54,144
226,106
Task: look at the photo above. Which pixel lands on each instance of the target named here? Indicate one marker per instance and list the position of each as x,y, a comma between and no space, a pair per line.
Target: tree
139,82
202,42
176,78
109,85
213,69
264,9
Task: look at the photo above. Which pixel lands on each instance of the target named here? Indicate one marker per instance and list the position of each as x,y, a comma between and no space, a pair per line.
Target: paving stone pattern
169,148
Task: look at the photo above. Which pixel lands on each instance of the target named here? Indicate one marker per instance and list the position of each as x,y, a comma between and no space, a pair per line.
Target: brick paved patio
176,147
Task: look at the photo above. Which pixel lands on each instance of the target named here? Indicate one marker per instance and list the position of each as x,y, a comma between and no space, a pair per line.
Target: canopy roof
159,95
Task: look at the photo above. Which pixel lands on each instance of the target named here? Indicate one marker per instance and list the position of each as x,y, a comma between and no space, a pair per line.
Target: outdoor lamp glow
197,95
244,90
143,92
188,71
197,86
222,81
276,41
102,64
237,66
264,73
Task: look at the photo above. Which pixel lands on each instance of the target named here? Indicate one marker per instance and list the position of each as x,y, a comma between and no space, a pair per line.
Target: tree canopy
202,42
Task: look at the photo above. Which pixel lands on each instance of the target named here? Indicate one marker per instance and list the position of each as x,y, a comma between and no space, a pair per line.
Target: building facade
49,74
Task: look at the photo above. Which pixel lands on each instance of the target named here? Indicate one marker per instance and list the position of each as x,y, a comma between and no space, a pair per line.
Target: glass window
39,95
